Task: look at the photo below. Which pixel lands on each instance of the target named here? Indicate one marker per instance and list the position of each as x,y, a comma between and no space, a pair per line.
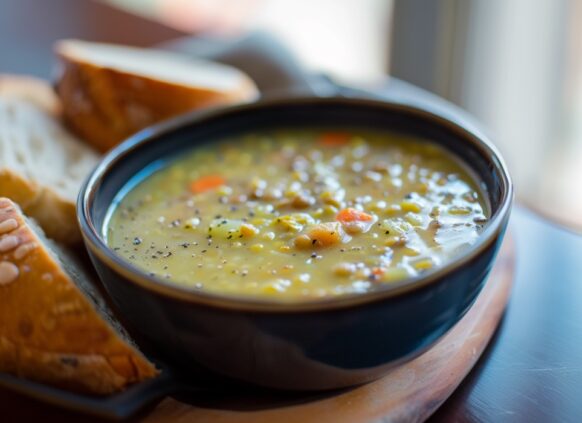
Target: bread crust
56,215
49,330
30,89
104,105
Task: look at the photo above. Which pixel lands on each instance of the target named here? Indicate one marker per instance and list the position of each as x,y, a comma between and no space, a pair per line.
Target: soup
299,214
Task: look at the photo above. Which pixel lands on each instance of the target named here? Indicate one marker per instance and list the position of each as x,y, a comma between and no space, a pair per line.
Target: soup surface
298,214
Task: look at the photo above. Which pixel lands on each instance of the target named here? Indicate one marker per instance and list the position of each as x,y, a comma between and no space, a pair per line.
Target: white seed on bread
8,242
23,250
8,272
8,226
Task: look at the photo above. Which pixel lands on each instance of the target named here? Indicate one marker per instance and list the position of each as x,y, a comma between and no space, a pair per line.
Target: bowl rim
455,122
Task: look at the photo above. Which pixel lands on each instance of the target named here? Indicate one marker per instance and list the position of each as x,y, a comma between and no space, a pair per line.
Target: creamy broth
299,214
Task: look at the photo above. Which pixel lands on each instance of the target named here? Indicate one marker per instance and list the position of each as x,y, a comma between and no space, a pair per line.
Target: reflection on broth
300,214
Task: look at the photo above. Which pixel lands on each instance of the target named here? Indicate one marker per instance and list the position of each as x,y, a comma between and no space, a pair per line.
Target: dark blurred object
260,55
276,71
28,29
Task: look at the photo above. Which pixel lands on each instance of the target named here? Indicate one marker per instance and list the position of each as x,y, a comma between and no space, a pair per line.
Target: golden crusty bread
41,164
109,92
52,327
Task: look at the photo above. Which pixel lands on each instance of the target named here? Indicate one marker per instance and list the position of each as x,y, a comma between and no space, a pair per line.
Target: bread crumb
72,307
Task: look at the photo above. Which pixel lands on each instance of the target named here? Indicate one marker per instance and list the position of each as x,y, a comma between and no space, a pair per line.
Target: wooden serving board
410,393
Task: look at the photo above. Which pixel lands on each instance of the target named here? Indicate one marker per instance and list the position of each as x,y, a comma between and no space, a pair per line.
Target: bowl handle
118,406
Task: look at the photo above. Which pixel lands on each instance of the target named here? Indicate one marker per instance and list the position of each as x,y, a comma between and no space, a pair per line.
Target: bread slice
32,90
54,326
110,92
41,164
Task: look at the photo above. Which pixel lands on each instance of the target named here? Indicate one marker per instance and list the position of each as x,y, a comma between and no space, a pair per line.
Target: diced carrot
378,271
206,183
352,215
325,234
334,139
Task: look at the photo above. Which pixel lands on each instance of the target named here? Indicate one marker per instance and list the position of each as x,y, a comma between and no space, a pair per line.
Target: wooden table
532,370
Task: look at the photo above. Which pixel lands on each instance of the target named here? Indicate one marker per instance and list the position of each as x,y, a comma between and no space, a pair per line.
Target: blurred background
516,67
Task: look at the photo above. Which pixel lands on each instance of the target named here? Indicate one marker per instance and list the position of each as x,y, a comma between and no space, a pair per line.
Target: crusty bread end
109,92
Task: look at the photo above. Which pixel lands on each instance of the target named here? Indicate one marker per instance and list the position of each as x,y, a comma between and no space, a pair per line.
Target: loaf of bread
109,92
41,164
54,326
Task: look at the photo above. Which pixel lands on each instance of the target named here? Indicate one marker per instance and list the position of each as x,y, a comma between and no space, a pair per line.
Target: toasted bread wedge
110,92
41,164
54,326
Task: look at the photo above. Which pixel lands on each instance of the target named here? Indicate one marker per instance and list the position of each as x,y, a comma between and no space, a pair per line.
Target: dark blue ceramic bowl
326,344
